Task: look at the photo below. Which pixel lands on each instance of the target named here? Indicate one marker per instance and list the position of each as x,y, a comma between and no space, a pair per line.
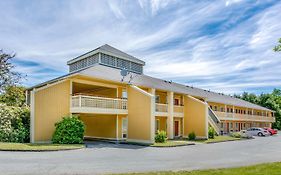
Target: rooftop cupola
107,56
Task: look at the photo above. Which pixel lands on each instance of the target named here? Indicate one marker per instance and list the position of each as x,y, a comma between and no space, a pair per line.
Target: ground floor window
124,127
157,125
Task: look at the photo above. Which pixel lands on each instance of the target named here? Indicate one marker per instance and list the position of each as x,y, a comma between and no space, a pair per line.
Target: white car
258,131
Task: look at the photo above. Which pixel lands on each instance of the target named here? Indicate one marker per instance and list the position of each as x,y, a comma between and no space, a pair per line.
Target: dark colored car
271,131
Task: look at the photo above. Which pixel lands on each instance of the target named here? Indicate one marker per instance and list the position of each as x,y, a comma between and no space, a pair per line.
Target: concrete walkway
103,158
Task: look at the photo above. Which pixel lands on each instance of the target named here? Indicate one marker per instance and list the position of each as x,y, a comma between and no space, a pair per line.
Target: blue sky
225,45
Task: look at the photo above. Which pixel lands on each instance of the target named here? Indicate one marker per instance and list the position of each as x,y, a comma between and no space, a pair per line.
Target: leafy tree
278,47
8,77
13,96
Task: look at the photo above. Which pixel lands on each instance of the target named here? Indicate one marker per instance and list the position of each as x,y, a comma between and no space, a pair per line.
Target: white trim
161,114
50,85
32,115
142,91
98,110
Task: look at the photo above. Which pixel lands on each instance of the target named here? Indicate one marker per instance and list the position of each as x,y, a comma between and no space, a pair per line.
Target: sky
222,46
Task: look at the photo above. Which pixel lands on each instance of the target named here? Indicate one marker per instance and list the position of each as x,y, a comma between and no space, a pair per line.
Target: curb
188,144
7,150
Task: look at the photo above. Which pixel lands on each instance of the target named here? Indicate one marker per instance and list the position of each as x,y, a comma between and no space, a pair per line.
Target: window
216,108
221,125
124,93
236,110
222,109
157,99
176,102
227,109
211,107
157,125
230,125
237,125
124,127
231,110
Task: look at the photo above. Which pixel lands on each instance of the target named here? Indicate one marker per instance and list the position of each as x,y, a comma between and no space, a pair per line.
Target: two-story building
108,90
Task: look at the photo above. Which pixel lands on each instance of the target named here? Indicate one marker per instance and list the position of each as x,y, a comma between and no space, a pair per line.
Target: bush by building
161,137
70,130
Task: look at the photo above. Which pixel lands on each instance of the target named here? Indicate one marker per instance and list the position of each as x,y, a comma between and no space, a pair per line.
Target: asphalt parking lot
100,158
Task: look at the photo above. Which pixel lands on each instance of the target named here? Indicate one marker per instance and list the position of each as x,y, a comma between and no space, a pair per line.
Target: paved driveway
111,158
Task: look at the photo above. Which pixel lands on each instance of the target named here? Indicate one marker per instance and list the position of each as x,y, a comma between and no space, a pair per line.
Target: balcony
161,109
243,117
98,105
178,111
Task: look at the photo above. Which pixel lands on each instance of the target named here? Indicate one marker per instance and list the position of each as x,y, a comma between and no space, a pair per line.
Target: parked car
246,135
271,131
258,131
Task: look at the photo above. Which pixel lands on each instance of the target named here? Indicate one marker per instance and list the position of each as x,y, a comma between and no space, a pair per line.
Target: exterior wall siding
195,117
103,126
51,104
139,116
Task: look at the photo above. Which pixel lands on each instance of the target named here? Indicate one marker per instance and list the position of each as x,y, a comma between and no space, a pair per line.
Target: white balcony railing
160,107
178,109
243,117
92,104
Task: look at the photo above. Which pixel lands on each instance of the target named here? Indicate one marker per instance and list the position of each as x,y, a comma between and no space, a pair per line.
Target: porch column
117,128
233,111
225,110
170,123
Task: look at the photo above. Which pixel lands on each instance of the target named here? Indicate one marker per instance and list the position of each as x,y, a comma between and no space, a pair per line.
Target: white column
152,124
233,111
225,110
32,115
117,128
170,124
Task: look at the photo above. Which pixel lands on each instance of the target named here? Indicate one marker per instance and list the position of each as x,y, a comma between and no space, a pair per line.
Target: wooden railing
98,102
160,107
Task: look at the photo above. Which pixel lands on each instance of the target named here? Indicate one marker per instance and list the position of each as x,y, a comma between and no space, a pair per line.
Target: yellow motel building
107,89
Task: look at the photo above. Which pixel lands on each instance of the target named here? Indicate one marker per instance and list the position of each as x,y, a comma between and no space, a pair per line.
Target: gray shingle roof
107,73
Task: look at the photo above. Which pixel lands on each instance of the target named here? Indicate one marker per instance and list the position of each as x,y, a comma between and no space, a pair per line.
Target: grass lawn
172,143
37,147
261,169
218,139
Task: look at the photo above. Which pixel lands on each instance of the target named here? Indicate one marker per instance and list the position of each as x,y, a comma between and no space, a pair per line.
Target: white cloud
177,39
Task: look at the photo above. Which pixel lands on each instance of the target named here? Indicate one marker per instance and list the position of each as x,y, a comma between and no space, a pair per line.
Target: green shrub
14,124
192,136
70,130
161,137
211,133
235,134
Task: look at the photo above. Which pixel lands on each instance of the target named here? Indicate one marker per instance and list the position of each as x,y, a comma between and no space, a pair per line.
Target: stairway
213,120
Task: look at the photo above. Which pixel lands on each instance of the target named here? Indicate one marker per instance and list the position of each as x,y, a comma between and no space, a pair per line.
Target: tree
13,96
8,77
277,48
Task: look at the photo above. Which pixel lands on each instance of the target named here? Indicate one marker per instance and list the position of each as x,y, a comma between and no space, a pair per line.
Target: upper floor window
124,93
216,108
176,101
157,99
